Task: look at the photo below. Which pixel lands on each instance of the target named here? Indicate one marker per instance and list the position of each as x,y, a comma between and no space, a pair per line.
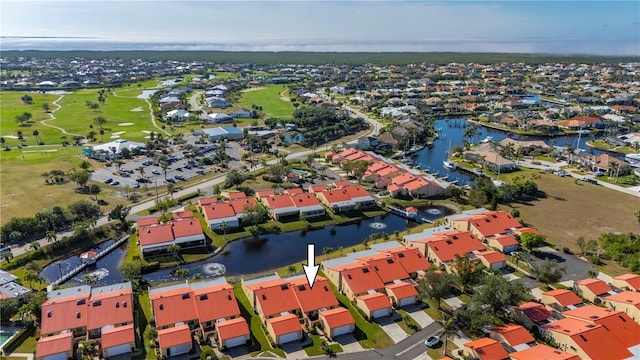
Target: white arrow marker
311,269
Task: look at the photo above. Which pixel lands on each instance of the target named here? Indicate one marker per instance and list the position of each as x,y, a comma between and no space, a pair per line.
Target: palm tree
174,249
224,226
292,269
448,329
100,121
34,245
35,134
141,170
2,141
51,236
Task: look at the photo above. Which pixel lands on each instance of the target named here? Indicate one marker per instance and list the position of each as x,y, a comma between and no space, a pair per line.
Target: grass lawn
624,181
258,337
28,346
316,348
436,353
12,106
369,335
409,326
572,209
269,98
143,309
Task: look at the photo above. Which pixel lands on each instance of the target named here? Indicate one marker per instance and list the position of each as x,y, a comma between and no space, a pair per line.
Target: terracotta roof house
514,336
118,340
561,299
542,351
374,305
627,302
265,193
234,332
215,303
345,199
411,259
485,224
504,243
285,328
221,213
590,289
417,186
175,340
402,293
173,305
442,248
156,238
280,206
532,314
485,349
313,300
337,321
627,282
492,259
618,323
386,266
308,205
55,347
585,339
359,281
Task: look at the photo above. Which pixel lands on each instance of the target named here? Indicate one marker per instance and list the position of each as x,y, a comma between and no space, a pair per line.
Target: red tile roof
488,349
410,258
294,191
514,334
337,317
619,324
317,188
173,306
64,313
361,279
505,240
303,200
626,297
239,205
632,279
174,336
111,309
594,340
156,234
285,324
320,296
543,352
494,222
386,266
276,298
536,312
219,211
341,184
56,344
265,193
215,302
233,328
336,196
118,336
564,297
186,227
148,221
492,257
375,301
596,286
279,201
402,290
237,195
182,215
447,245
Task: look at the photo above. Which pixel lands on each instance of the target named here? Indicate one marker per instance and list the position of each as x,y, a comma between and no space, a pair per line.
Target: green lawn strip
12,357
269,99
623,181
28,345
432,310
464,298
370,335
407,324
317,348
436,353
258,336
144,313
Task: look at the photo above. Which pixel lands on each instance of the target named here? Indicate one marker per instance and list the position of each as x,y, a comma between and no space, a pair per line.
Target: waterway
250,255
451,131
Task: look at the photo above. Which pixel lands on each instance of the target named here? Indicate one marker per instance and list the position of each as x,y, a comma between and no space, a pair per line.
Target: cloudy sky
594,27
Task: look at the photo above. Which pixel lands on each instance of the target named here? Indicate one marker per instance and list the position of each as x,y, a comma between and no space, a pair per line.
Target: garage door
60,356
380,313
288,337
342,330
499,265
407,301
179,350
117,350
237,341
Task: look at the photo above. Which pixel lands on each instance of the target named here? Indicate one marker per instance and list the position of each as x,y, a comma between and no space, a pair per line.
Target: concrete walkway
21,355
390,326
454,302
419,315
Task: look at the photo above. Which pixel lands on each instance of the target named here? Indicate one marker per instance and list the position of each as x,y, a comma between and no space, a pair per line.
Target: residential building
591,289
627,302
228,213
280,207
56,347
561,300
485,349
337,321
629,282
513,337
492,259
441,248
532,315
155,238
175,340
346,199
617,323
374,305
487,155
542,351
10,289
313,300
242,113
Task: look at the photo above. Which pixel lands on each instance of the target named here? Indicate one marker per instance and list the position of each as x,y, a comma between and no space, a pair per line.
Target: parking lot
141,170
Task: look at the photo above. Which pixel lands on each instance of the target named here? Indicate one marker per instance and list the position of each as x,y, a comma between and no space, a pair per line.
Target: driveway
454,302
576,268
390,326
417,313
348,343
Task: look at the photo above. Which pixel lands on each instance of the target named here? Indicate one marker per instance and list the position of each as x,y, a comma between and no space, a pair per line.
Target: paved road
375,124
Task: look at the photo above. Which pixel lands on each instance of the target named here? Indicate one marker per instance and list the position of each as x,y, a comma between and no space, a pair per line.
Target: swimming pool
5,335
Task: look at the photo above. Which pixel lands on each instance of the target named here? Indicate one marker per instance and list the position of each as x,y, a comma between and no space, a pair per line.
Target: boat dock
75,271
408,215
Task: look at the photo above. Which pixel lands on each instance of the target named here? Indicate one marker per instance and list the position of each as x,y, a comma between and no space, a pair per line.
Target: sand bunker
147,137
125,124
10,137
40,151
138,109
146,131
118,133
114,137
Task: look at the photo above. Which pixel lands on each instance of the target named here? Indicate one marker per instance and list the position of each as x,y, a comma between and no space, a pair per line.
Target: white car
432,341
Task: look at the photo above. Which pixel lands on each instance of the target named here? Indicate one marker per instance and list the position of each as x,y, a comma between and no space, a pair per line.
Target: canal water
451,131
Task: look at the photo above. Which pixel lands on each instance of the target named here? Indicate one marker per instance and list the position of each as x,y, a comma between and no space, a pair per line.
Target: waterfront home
154,237
345,199
416,186
225,213
10,289
603,162
496,228
313,300
586,340
280,206
561,300
413,262
272,298
486,154
592,289
629,282
175,341
627,302
525,147
484,349
308,205
102,314
542,351
512,336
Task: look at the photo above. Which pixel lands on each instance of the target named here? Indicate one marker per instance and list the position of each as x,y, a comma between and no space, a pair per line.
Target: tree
468,272
31,311
34,245
292,269
582,245
131,270
27,99
8,309
174,249
85,165
548,272
436,286
171,188
448,328
224,226
24,117
254,214
30,276
454,192
530,241
164,204
80,177
100,121
2,141
235,177
94,189
51,236
36,134
120,212
45,107
497,293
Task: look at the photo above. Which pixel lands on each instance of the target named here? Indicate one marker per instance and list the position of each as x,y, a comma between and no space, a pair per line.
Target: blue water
295,139
452,131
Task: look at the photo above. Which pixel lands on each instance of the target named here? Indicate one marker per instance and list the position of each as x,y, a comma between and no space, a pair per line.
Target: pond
106,269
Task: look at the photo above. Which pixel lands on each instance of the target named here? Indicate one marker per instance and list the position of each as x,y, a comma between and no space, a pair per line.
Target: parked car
115,183
171,180
155,172
108,181
200,171
598,173
181,178
147,162
432,341
136,185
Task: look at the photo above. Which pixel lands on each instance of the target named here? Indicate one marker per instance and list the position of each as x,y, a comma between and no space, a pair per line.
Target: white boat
633,159
449,165
487,139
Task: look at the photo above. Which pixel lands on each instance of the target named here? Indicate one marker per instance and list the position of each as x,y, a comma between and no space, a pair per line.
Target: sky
563,27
